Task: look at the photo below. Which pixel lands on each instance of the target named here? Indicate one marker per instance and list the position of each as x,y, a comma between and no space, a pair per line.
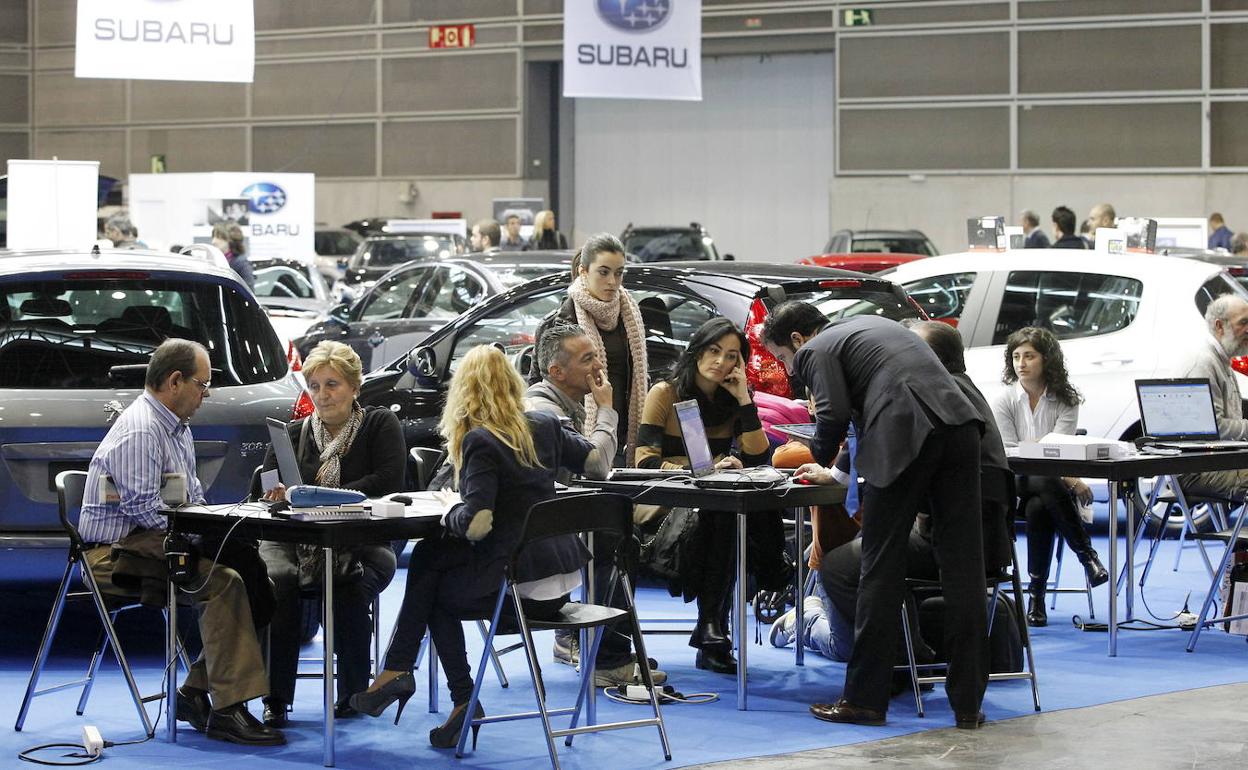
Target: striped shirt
145,442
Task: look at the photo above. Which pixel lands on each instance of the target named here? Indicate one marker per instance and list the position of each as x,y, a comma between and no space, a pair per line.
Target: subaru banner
205,40
633,49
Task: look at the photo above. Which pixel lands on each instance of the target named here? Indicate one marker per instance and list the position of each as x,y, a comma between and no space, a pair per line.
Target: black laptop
1178,414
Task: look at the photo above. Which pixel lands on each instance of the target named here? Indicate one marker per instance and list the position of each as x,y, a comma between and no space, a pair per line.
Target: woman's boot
1037,615
711,639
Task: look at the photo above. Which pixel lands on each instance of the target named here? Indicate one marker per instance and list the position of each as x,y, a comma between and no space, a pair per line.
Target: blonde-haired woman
505,460
545,236
341,444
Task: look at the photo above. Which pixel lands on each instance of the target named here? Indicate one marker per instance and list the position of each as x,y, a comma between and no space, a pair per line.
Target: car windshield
845,302
282,279
332,243
893,246
667,246
514,275
396,251
69,333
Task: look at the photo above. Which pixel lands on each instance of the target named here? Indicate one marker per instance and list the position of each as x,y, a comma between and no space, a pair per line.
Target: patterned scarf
331,448
593,314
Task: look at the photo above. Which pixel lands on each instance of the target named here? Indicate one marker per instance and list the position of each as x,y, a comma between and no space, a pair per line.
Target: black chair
604,515
70,486
426,461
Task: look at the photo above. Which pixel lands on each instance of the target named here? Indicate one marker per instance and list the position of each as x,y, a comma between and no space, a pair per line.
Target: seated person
571,370
127,538
711,370
344,445
506,461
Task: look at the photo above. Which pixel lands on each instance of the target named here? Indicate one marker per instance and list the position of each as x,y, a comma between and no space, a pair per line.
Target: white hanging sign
204,40
633,49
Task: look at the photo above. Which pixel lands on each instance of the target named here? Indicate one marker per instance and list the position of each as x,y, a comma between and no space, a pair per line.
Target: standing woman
340,445
505,460
711,370
228,237
1043,401
545,236
598,302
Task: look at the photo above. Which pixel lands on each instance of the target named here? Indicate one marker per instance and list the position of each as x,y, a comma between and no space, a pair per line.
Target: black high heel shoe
446,735
374,702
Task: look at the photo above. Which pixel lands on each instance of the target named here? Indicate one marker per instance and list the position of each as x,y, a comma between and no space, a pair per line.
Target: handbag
668,555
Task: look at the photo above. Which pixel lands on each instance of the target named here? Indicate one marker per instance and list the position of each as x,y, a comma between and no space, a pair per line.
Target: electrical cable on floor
667,694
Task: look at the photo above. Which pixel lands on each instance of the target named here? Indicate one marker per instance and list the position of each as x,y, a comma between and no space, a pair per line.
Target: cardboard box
1049,450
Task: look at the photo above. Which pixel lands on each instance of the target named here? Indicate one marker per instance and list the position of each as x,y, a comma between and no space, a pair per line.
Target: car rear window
893,246
400,250
845,302
278,279
63,334
662,247
516,275
1216,287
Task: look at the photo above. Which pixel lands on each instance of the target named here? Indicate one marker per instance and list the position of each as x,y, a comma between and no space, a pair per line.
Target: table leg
739,613
327,675
1129,504
432,664
587,640
1113,568
171,665
799,518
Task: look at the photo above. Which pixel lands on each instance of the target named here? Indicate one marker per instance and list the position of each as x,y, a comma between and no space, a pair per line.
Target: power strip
92,741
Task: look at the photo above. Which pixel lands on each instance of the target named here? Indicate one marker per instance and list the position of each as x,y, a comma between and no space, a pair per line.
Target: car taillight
763,371
1240,364
293,358
303,406
840,283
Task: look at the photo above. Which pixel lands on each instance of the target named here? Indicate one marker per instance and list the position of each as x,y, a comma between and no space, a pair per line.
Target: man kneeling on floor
122,525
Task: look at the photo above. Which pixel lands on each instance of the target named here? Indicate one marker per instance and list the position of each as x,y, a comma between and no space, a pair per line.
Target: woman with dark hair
228,237
1043,401
711,371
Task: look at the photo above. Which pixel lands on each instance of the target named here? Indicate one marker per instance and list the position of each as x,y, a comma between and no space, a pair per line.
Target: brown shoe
844,711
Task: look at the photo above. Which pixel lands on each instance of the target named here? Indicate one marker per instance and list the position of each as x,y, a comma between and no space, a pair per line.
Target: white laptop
1178,414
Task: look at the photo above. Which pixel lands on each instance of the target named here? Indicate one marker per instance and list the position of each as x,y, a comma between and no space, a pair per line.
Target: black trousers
353,629
944,478
1050,508
434,601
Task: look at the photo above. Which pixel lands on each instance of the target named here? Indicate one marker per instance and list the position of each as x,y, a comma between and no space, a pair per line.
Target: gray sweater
545,397
1211,362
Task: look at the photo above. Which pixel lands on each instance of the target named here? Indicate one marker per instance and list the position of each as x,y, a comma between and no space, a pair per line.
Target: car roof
109,260
1138,265
885,233
761,272
495,258
664,229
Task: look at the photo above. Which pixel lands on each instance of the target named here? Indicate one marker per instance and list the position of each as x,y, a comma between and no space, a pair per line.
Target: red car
872,262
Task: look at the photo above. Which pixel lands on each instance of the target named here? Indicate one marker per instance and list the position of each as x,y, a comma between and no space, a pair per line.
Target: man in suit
1036,239
918,445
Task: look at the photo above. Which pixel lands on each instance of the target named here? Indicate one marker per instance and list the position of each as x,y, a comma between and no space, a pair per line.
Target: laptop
287,465
288,472
1178,414
702,462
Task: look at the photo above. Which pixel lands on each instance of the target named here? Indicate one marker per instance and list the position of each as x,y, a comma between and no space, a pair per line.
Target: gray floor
1194,728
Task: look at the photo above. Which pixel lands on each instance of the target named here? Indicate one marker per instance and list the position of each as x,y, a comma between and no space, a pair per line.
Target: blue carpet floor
1072,665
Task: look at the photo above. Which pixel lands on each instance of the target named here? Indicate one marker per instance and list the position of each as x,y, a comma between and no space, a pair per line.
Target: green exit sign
857,17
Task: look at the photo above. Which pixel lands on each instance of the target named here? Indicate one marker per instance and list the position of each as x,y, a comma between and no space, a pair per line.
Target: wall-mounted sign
453,36
857,17
633,49
205,40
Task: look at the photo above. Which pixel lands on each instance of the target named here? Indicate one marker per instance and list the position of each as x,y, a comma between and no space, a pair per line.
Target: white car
1120,317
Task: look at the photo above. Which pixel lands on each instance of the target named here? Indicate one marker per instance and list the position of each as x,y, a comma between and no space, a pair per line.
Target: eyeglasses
203,386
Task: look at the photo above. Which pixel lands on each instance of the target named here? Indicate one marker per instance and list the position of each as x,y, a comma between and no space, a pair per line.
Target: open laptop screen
1177,409
287,465
694,433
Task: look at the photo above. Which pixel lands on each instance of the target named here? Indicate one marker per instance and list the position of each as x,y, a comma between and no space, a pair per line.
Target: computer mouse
796,480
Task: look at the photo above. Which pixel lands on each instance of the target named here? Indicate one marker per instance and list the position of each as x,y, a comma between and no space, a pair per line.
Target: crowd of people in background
489,235
1066,235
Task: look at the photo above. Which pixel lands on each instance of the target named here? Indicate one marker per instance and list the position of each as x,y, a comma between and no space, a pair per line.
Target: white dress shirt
1018,422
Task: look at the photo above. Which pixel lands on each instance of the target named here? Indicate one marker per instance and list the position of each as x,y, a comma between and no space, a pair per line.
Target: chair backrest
253,490
70,488
599,512
427,461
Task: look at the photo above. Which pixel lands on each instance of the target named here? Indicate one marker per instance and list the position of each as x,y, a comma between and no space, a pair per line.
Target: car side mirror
422,362
339,315
729,258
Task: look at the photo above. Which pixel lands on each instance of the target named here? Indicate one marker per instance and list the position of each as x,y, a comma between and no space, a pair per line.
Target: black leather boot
1037,616
710,630
1092,566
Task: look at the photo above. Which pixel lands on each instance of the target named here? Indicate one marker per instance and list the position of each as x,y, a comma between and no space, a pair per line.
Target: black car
675,299
379,254
414,299
667,243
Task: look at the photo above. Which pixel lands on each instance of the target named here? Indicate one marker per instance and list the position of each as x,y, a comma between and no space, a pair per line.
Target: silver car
76,331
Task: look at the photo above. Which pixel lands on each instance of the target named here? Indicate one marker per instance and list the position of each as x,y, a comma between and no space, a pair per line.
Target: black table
743,502
1115,472
253,521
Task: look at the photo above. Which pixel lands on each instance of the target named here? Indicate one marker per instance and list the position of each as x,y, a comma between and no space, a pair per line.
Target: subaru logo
264,198
635,15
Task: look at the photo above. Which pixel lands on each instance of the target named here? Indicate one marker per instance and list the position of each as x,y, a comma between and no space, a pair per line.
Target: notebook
702,462
1178,414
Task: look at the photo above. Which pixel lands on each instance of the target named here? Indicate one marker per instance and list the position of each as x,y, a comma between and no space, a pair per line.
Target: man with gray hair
1239,244
122,232
1036,239
570,371
147,455
1227,319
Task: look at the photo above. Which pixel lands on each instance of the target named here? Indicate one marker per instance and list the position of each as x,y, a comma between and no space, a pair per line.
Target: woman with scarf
347,446
711,371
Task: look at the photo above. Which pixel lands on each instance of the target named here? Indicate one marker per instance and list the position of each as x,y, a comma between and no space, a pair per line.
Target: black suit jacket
1036,239
884,378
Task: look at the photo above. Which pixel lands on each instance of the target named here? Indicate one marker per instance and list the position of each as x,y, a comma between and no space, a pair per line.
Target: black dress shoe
847,713
969,721
275,713
717,660
237,725
1037,616
193,707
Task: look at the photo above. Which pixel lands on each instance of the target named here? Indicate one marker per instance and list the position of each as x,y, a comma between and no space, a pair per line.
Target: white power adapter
92,741
1187,620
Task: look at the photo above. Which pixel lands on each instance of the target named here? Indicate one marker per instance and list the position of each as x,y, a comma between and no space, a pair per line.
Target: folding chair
70,486
1054,586
1232,537
604,514
994,584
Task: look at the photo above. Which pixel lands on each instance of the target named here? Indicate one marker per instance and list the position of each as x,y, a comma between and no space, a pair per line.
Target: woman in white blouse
1041,401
